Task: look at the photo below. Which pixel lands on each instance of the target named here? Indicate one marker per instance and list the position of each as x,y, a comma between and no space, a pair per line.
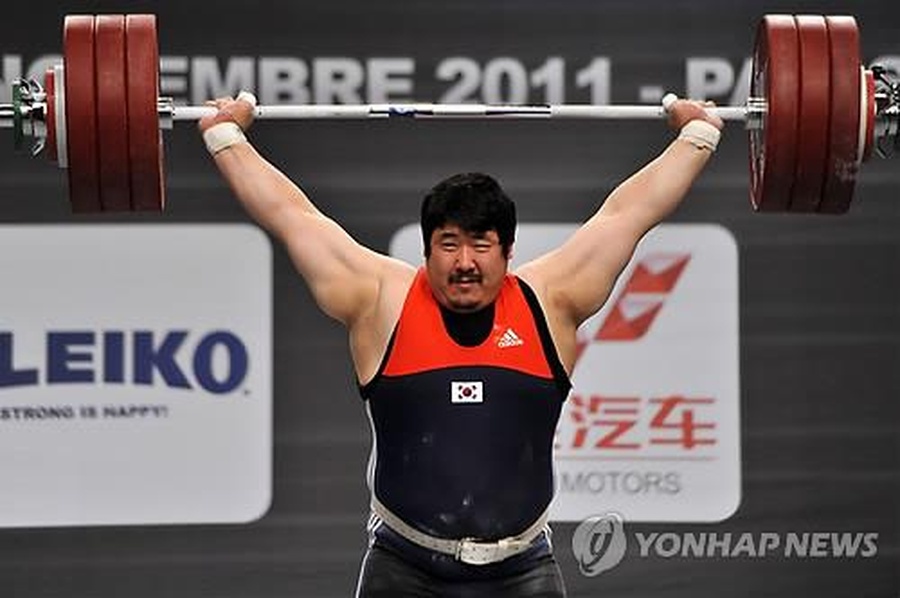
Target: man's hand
681,112
226,127
238,110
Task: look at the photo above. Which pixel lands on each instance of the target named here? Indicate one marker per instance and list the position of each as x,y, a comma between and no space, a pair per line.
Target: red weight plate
870,109
773,147
112,104
812,123
843,144
145,139
50,120
81,117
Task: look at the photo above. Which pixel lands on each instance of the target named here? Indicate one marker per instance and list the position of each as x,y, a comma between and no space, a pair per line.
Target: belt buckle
461,546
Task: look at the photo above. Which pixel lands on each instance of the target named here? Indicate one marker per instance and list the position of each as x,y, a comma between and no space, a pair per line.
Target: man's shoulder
397,279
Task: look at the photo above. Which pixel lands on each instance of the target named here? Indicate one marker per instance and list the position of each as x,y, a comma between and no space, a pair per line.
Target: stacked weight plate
112,139
820,114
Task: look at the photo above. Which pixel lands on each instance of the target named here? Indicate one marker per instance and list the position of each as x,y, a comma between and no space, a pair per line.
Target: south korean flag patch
467,392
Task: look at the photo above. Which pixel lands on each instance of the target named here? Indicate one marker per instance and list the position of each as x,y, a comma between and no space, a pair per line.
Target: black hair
473,201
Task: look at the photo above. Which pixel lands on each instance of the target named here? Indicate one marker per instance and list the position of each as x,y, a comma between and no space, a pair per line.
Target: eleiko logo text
89,357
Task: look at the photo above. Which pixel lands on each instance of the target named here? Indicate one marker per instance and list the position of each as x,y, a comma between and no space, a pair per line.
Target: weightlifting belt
466,550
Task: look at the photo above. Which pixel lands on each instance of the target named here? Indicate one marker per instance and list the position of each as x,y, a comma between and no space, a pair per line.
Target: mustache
457,277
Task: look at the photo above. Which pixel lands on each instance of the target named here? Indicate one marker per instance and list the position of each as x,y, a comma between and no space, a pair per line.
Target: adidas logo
509,339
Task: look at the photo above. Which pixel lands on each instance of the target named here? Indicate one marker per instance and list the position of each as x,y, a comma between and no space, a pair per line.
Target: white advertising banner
651,427
135,374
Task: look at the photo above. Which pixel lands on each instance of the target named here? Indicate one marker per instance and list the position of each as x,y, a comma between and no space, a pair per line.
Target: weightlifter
463,365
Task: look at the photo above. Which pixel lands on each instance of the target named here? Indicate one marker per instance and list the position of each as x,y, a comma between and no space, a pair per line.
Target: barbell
814,113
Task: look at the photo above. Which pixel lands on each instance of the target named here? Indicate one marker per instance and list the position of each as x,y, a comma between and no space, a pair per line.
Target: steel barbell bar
35,110
814,113
476,111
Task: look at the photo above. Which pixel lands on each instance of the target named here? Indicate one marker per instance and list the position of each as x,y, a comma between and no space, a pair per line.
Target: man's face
465,270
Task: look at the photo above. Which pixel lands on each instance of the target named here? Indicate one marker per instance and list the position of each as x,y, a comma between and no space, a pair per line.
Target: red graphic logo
639,302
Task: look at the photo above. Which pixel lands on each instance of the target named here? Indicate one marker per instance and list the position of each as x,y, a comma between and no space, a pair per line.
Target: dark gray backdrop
819,296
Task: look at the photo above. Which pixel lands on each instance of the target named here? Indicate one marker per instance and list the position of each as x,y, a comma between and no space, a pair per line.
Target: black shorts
395,567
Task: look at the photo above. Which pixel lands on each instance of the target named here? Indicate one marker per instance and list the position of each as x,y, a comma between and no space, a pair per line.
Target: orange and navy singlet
463,435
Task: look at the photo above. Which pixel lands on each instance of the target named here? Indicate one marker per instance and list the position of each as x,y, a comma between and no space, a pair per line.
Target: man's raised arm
342,275
575,279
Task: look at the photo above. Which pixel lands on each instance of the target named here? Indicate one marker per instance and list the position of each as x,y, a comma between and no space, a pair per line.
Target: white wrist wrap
701,134
222,136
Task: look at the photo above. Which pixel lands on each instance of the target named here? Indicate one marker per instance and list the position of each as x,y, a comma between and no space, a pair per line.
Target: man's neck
468,329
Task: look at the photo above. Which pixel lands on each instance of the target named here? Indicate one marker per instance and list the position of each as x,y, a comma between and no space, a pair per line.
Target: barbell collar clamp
887,123
26,115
